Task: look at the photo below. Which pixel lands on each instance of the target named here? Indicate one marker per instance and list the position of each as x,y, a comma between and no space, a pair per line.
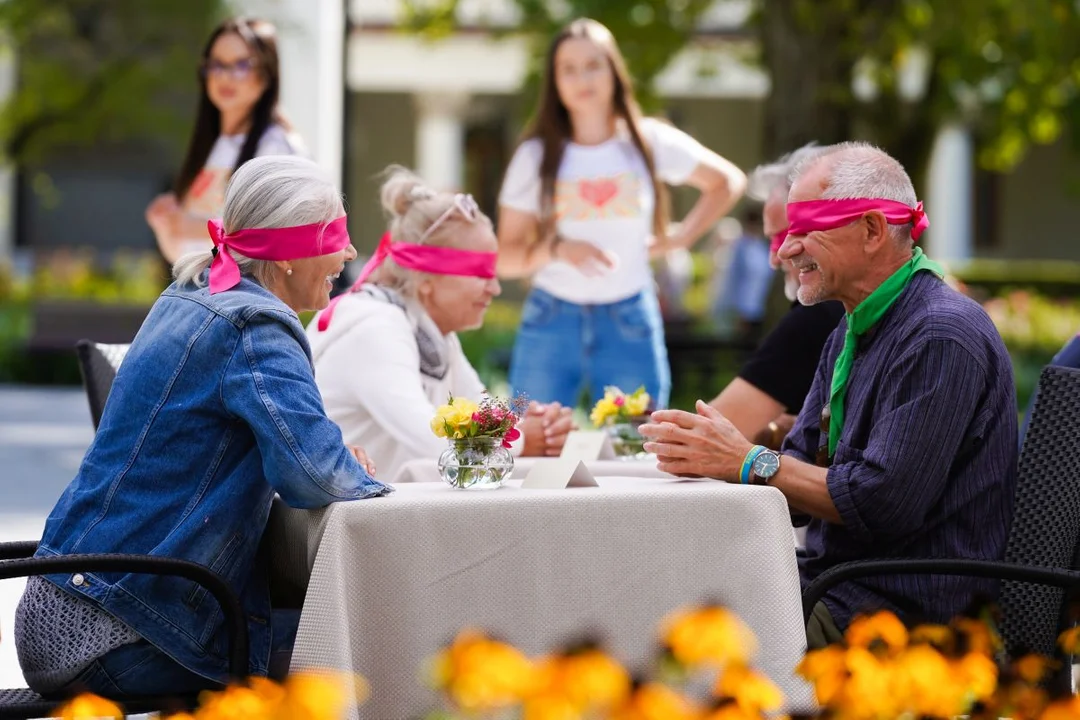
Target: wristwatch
765,466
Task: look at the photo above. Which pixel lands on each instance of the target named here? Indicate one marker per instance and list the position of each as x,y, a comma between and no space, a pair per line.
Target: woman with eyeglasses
237,119
387,354
583,210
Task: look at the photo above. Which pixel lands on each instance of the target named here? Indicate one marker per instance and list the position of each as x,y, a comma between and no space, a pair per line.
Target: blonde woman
387,353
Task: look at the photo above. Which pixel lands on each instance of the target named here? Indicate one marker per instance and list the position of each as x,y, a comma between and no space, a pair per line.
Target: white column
951,195
311,39
440,139
7,170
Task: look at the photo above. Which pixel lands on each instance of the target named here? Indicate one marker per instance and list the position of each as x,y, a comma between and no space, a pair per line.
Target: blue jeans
142,669
563,349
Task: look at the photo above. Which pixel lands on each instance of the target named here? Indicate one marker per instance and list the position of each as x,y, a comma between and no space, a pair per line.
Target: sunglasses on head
462,203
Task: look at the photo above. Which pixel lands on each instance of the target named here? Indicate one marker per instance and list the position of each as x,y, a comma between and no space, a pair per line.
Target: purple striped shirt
926,464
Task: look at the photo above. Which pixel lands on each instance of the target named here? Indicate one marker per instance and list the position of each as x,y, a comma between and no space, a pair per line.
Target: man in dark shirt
906,445
769,390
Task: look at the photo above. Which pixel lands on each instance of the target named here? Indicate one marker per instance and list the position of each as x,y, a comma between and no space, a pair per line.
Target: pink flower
511,435
477,417
620,401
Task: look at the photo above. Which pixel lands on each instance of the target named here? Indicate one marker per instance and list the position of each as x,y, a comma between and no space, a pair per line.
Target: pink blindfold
424,258
807,216
291,243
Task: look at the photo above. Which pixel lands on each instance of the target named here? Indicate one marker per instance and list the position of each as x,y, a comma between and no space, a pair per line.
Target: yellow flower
869,691
937,635
320,695
753,692
978,673
235,702
604,410
882,626
588,680
454,419
1064,709
980,637
550,706
826,670
88,706
1069,641
637,403
925,679
708,636
654,701
482,674
1032,668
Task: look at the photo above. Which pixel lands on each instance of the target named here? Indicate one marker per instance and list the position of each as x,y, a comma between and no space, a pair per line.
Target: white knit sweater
367,366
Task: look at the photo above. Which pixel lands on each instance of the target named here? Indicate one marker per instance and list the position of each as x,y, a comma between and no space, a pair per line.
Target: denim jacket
213,410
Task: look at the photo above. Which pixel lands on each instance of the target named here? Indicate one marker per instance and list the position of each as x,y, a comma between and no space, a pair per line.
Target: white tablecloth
426,470
393,579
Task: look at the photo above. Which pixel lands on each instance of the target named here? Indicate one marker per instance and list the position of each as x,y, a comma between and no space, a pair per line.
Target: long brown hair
261,38
552,126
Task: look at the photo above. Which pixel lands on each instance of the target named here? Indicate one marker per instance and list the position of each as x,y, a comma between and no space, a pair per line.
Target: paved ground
43,434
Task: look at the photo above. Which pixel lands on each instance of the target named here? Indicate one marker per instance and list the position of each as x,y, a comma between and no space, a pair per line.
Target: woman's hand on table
701,445
362,457
545,428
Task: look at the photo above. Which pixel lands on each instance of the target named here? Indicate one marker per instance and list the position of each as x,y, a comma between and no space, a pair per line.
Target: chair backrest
1046,522
98,364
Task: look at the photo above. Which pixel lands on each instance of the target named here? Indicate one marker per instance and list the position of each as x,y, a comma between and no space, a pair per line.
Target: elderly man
906,445
770,389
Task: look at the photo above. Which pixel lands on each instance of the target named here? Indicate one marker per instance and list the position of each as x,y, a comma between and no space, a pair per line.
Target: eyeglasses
822,459
464,204
239,70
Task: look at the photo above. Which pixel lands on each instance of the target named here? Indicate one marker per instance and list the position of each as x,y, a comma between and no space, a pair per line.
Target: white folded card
558,473
588,445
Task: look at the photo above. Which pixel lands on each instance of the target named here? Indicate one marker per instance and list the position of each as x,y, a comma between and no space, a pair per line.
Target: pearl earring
289,271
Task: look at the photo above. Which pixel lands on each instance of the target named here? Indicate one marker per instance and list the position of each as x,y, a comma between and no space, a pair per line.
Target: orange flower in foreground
88,706
1069,641
588,680
483,674
937,635
1033,668
654,701
1065,709
320,695
980,637
826,670
752,691
708,636
881,627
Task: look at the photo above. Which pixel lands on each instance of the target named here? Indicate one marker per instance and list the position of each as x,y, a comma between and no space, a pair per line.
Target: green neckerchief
864,317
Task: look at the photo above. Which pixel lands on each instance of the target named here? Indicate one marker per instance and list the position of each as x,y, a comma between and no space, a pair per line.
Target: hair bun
401,189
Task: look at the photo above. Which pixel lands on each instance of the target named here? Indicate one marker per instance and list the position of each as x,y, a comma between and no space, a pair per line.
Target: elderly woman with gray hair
213,411
386,353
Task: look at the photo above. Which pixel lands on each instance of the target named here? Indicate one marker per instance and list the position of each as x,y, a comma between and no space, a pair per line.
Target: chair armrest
1056,577
235,623
19,549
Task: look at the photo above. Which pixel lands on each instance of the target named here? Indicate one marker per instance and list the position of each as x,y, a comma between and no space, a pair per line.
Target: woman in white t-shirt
583,210
238,119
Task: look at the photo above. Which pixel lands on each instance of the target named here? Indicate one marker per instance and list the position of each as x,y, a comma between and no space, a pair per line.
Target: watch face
766,464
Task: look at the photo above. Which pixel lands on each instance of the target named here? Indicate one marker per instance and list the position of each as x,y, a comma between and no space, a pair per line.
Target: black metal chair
1042,557
98,363
16,560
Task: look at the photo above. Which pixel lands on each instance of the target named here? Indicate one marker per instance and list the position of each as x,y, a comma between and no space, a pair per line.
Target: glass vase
479,463
626,440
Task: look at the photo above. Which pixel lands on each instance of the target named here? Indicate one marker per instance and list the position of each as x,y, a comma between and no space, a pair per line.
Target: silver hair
862,170
412,207
767,178
275,191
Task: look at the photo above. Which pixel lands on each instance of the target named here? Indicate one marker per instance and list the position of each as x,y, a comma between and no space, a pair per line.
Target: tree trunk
811,77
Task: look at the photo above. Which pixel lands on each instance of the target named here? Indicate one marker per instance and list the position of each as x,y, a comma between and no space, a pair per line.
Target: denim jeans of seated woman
564,348
141,669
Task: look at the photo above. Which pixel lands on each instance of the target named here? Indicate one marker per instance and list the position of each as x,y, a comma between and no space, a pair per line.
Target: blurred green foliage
649,32
93,71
